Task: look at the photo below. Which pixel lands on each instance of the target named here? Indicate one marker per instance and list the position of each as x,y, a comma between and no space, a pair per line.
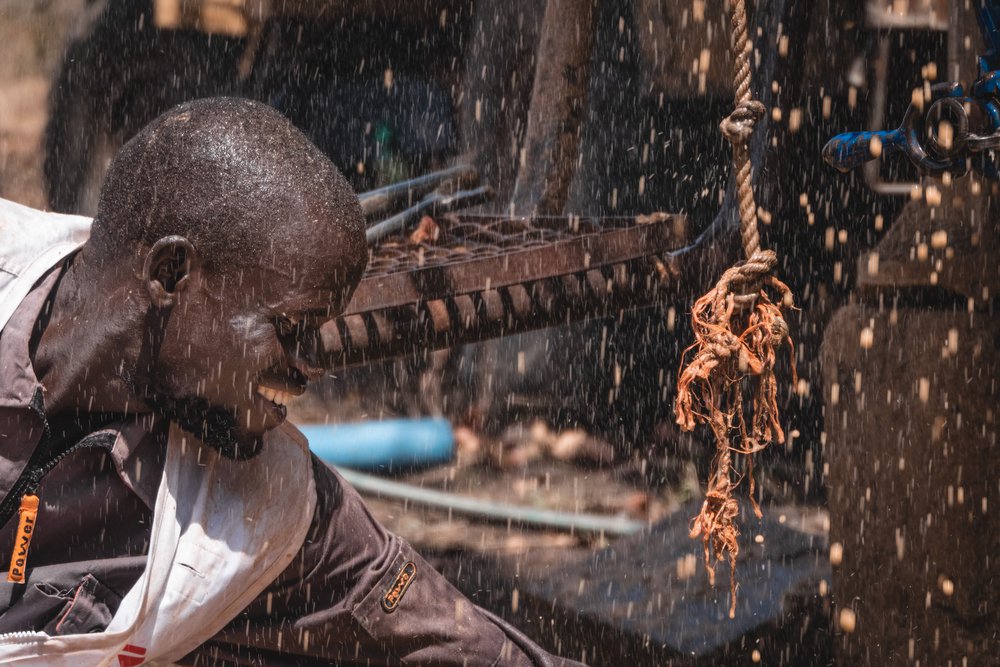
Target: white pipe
587,523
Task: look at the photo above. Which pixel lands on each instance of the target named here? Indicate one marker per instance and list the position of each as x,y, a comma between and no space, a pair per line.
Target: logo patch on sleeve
396,590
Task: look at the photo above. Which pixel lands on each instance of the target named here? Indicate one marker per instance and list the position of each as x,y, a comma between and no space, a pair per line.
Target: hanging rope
738,128
738,330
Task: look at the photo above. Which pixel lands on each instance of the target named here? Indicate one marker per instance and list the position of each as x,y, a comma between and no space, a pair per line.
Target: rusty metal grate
489,276
468,240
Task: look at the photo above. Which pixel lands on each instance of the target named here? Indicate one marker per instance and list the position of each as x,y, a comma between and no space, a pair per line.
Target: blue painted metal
988,15
385,446
976,120
852,149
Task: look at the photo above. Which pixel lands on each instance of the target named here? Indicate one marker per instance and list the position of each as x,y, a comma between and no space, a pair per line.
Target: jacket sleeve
357,594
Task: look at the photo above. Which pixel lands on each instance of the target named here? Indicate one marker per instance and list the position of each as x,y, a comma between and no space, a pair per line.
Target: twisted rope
738,128
738,330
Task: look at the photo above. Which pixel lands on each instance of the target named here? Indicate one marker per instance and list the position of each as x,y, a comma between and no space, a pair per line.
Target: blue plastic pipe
383,445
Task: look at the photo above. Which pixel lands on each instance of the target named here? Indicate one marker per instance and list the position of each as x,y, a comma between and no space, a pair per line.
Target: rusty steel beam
489,277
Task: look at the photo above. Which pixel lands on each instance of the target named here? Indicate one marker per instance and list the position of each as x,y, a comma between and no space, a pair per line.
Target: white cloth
222,530
31,243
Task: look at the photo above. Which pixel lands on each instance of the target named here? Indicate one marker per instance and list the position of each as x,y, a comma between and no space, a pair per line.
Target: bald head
223,241
237,180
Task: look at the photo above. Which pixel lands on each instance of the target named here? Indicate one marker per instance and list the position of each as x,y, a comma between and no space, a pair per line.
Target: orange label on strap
25,529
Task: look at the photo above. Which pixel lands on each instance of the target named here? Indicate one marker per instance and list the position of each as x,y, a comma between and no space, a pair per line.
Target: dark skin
220,337
223,240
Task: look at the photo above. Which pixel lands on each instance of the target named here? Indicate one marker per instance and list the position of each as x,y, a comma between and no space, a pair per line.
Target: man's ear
166,270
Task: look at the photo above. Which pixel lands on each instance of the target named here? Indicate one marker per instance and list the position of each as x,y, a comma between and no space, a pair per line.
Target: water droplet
847,620
836,553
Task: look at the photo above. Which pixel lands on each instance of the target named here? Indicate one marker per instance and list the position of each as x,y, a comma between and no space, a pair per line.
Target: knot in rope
779,331
739,125
745,280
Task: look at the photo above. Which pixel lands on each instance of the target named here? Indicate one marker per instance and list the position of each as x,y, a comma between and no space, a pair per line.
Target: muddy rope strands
738,329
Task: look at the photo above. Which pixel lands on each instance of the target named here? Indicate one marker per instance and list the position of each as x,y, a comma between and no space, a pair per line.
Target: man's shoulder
26,232
31,243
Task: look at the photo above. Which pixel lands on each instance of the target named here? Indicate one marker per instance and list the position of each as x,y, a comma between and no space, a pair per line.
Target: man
144,377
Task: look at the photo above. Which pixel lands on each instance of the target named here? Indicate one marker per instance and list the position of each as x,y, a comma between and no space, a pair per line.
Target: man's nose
304,355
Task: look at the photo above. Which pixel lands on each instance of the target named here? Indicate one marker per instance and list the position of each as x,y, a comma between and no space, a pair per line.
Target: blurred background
391,93
578,418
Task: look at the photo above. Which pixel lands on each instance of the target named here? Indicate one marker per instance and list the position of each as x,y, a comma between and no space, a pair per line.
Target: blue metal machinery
950,132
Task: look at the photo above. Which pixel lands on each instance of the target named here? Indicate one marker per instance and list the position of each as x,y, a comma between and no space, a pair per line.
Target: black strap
83,432
50,450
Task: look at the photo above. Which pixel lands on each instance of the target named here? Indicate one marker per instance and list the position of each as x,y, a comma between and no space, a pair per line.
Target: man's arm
356,593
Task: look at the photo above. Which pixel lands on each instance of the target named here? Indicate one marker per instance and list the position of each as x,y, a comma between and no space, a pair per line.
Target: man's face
238,347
